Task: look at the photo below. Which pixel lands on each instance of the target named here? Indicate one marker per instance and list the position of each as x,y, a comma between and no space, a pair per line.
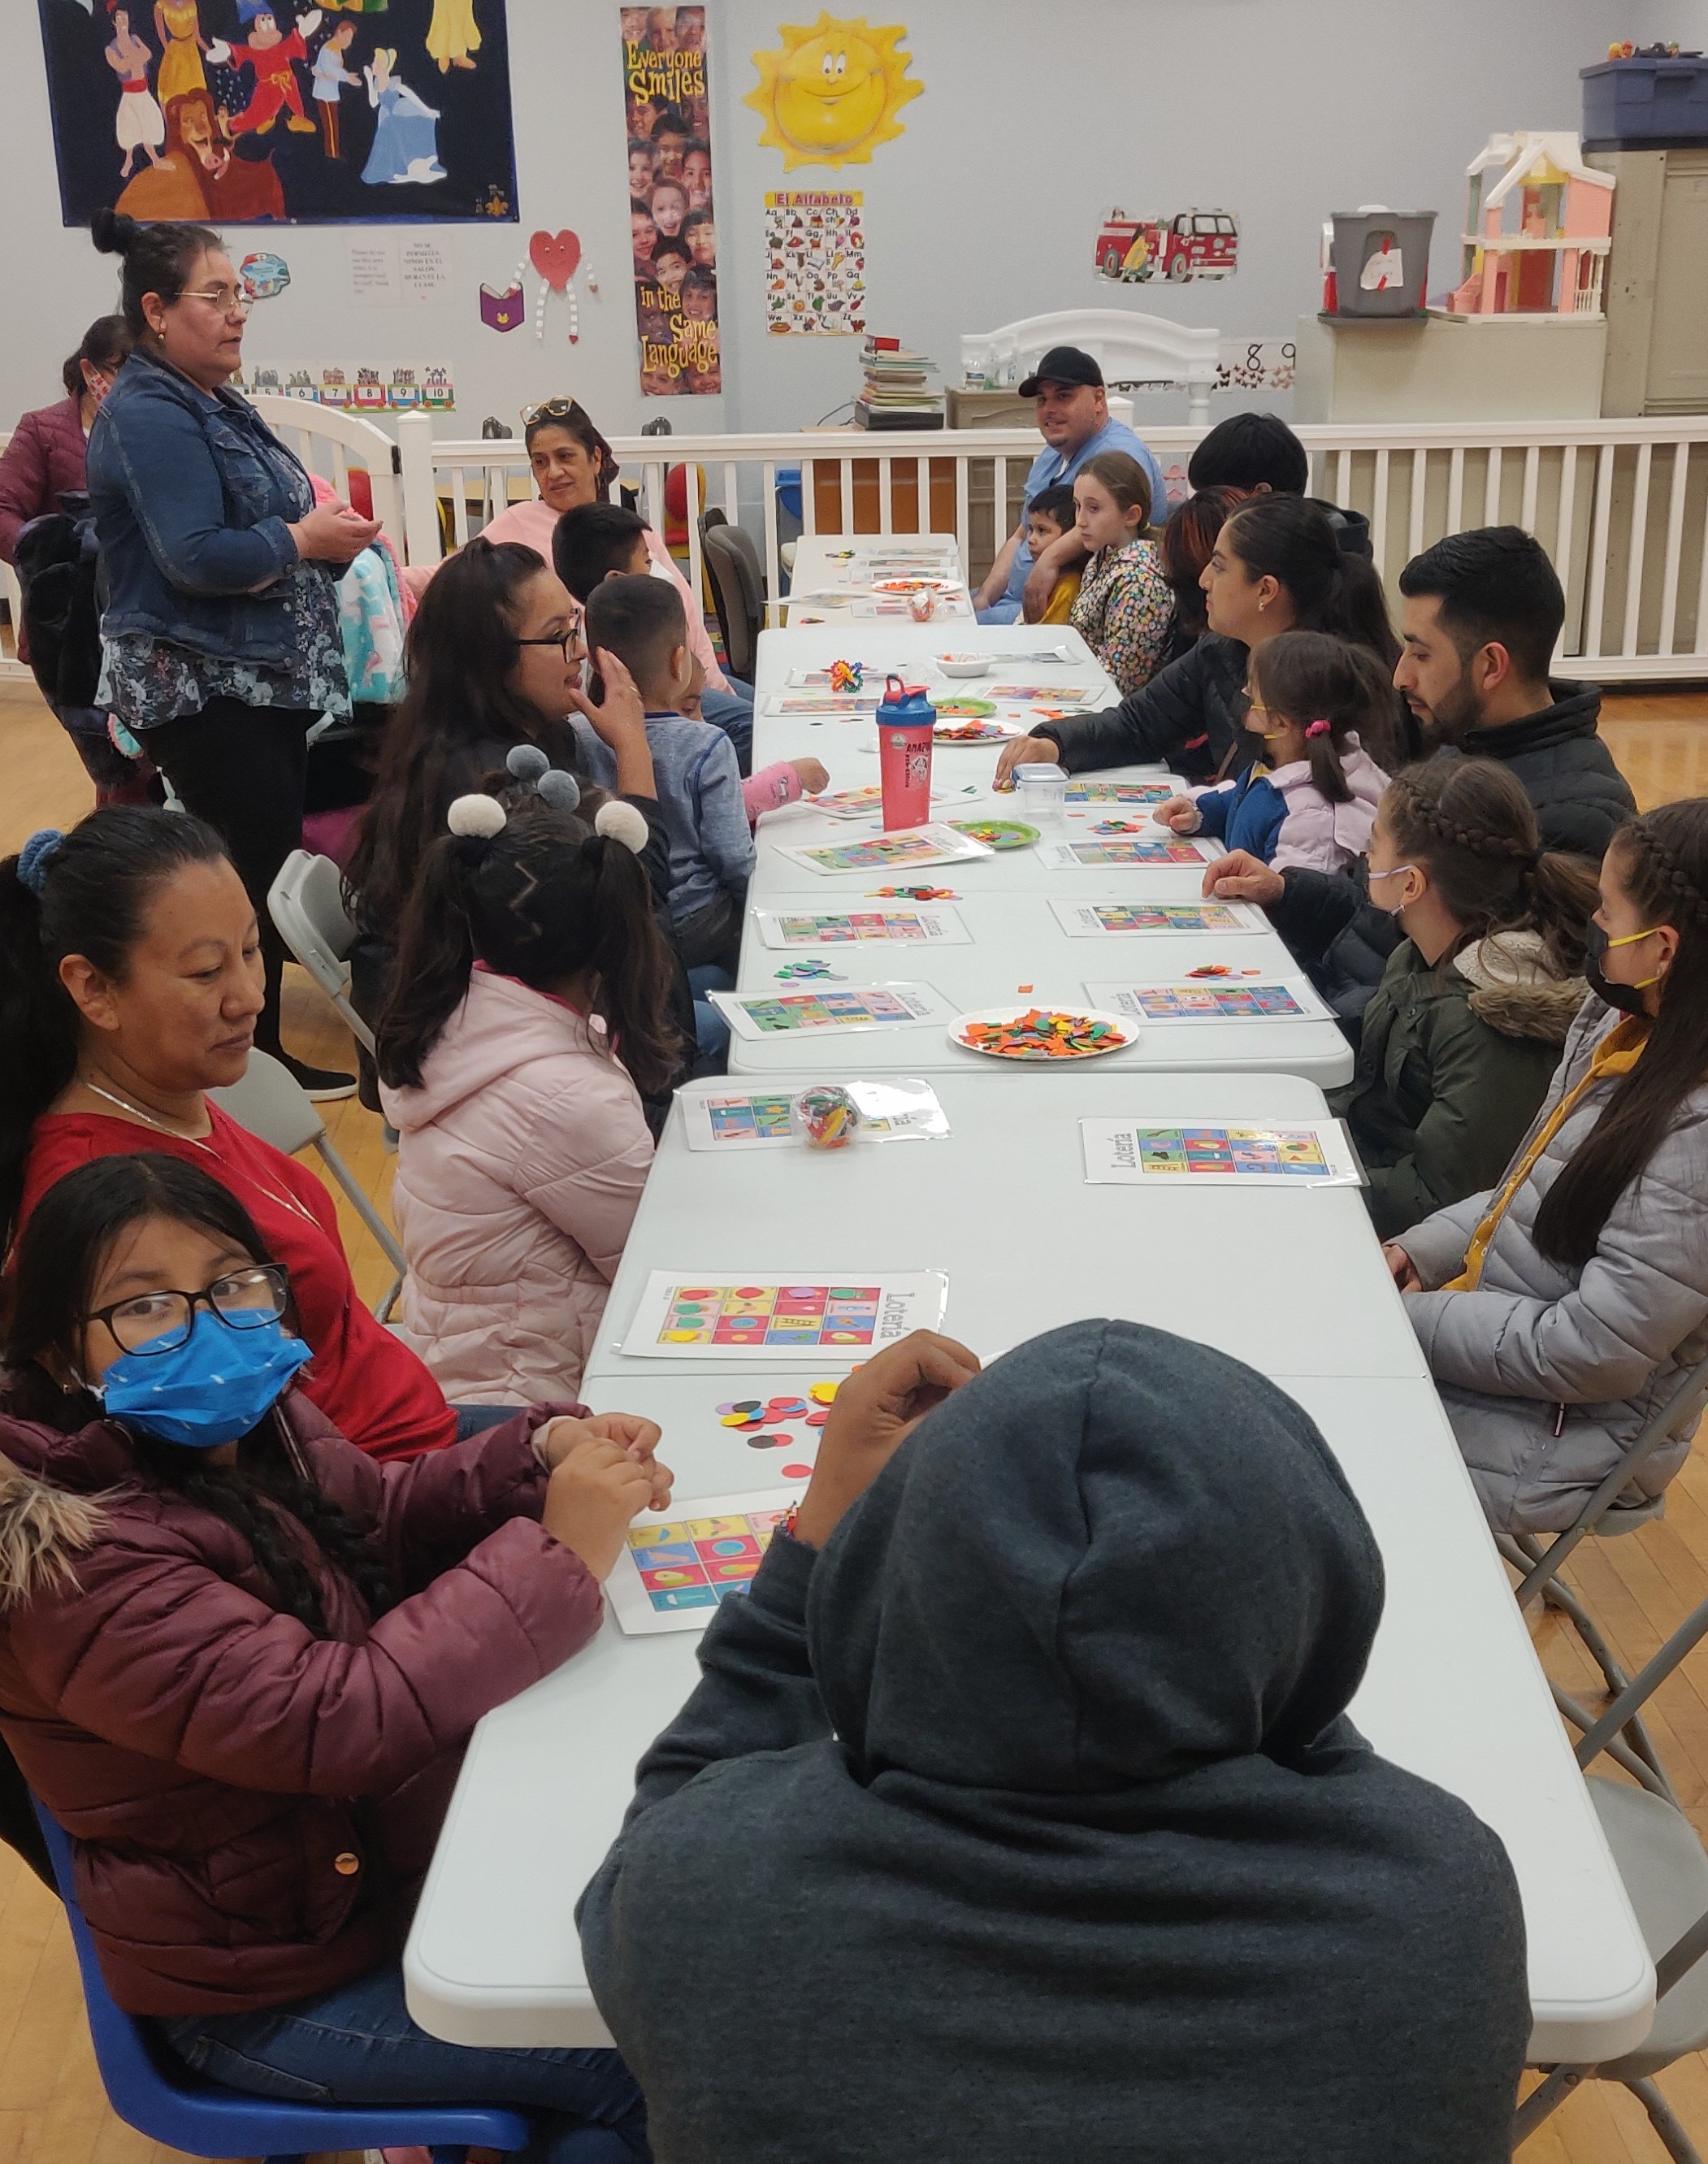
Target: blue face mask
212,1388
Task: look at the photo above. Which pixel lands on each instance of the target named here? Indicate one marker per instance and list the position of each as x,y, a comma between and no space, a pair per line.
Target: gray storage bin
1392,245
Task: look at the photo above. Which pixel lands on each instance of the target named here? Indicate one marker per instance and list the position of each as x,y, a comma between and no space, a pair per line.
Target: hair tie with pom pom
480,818
527,761
1318,729
561,791
35,857
621,823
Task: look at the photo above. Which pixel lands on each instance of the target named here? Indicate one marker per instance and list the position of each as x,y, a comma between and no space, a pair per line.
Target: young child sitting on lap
1124,609
640,620
1312,799
1462,1032
1560,1310
1049,515
593,542
531,1007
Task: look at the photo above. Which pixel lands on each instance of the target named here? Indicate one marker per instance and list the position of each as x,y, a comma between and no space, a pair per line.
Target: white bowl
963,664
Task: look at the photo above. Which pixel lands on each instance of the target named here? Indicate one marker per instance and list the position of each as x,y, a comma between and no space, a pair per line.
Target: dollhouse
1538,222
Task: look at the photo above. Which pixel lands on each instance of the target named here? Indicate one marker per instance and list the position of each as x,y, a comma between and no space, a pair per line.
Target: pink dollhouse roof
1521,154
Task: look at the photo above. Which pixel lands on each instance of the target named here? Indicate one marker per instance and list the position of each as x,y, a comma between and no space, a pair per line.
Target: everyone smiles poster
242,112
672,228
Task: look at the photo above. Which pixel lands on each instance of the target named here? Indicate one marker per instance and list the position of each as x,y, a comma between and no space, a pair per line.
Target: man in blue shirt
1073,418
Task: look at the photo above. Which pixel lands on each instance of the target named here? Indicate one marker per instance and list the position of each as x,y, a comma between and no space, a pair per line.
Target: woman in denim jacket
220,640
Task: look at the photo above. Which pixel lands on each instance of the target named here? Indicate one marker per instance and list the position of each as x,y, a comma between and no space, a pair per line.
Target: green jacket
1453,1063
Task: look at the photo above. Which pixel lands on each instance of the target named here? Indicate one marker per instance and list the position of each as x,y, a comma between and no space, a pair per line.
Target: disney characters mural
242,111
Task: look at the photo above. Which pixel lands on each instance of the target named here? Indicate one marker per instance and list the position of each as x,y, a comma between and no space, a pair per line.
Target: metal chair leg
1545,2098
1665,2122
1648,1773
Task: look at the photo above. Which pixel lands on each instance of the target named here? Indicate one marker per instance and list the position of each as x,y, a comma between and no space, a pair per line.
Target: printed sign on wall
815,263
237,112
831,91
353,386
671,224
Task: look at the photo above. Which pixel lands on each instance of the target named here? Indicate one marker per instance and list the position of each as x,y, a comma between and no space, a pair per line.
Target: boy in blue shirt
641,621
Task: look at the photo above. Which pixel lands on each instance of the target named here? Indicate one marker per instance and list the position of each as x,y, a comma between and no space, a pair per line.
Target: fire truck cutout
1195,244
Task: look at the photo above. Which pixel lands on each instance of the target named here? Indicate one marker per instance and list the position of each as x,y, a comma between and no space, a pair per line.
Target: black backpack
57,565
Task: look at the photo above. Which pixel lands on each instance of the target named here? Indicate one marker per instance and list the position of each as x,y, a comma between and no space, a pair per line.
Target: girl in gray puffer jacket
1561,1310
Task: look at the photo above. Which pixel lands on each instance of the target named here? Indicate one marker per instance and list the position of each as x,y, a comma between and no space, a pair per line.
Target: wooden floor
52,2110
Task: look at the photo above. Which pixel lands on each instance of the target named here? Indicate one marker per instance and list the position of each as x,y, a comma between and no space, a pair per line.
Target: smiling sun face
833,92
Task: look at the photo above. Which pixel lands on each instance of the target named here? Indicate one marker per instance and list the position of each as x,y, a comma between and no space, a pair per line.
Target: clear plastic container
1043,791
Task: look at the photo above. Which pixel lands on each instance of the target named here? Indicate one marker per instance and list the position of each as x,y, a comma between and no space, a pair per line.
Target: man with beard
1482,616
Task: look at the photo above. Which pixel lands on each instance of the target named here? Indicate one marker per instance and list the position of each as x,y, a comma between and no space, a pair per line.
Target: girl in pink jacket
530,1010
1311,799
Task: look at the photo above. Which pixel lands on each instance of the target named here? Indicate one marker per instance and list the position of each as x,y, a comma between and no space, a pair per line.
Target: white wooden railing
1621,506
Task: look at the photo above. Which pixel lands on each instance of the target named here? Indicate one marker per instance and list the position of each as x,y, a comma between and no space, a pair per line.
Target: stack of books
898,392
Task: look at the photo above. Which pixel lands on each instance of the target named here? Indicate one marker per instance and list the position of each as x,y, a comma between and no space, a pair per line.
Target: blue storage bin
789,490
1645,105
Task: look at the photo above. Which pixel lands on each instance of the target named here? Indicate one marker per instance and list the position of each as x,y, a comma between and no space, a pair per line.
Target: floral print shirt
1123,612
145,680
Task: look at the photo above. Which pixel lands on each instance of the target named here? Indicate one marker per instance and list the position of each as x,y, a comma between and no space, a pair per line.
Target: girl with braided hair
1463,1030
1562,1307
532,1008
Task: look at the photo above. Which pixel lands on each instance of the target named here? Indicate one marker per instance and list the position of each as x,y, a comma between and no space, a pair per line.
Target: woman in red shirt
130,979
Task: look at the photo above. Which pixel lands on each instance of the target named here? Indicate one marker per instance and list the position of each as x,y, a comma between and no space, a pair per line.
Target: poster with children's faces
673,231
815,263
229,113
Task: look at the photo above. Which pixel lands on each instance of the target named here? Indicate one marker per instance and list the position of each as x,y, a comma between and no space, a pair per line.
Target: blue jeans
475,1420
731,712
356,2044
711,1030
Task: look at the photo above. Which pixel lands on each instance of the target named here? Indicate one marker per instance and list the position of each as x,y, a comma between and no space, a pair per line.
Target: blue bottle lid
905,702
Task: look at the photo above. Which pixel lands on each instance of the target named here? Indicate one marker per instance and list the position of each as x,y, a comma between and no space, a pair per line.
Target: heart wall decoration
555,259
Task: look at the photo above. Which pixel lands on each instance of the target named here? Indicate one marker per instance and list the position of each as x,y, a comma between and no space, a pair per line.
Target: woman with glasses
572,464
221,638
239,1661
45,461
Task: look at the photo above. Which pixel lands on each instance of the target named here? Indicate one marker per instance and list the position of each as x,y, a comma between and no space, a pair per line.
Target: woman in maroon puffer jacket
240,1660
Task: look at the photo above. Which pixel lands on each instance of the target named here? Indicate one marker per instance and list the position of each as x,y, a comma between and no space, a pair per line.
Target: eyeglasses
549,409
160,1321
228,300
568,643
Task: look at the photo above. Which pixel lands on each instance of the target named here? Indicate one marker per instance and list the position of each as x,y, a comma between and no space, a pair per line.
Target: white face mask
1394,871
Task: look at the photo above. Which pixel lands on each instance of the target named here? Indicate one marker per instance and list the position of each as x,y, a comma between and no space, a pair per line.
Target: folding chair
306,903
154,2091
1605,1516
1665,1871
271,1103
737,596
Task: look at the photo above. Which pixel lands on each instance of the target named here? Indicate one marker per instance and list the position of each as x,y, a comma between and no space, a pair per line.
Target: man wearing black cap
1073,418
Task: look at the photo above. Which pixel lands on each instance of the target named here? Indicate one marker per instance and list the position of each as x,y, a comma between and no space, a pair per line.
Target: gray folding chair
306,903
1605,1516
1665,1871
738,593
271,1103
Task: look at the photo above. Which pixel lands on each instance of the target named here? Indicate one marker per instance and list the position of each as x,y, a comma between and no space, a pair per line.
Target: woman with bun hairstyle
1464,1029
45,458
531,1009
221,636
1561,1304
130,981
1276,566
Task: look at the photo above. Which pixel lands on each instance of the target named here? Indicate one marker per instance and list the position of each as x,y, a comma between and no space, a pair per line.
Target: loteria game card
1310,1153
903,925
672,1575
900,850
1102,920
1130,852
713,1317
1273,999
759,1016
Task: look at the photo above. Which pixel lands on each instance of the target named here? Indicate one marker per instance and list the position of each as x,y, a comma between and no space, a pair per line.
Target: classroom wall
1033,121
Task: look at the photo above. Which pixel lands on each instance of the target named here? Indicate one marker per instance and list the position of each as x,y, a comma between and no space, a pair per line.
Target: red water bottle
905,720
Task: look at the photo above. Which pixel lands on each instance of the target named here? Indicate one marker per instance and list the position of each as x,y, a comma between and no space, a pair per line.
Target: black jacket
1580,797
1189,715
1031,1800
1336,935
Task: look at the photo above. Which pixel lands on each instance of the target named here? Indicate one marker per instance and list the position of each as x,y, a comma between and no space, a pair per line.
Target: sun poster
671,225
815,263
241,112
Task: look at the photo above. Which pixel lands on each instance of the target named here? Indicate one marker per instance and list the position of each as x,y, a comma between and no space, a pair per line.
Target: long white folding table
1289,1280
831,575
1004,899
